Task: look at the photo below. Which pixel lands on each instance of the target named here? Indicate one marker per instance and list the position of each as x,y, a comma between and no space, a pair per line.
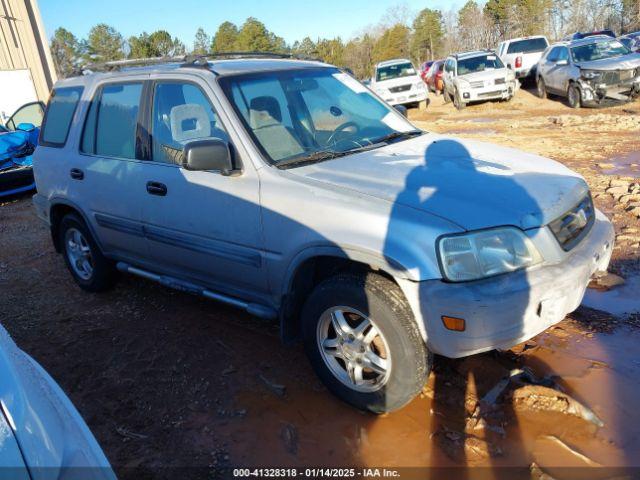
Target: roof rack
184,60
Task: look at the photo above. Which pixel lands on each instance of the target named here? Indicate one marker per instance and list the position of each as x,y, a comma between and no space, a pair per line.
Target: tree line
425,35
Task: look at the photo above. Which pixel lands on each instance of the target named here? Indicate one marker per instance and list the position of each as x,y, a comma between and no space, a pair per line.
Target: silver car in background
590,72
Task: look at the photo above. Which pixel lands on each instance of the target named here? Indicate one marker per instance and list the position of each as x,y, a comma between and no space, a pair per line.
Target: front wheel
573,96
363,342
457,101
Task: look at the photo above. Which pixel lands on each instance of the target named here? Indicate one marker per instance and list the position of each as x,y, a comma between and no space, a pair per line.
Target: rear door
558,74
200,225
547,64
108,174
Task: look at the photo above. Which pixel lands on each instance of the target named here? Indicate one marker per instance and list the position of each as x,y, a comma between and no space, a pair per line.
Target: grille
401,88
489,94
572,226
477,84
499,81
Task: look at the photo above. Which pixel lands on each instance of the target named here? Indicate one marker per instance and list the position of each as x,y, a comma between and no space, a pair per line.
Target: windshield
298,116
528,46
478,64
394,71
598,51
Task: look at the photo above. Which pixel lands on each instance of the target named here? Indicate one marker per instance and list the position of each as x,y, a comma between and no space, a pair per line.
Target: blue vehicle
18,140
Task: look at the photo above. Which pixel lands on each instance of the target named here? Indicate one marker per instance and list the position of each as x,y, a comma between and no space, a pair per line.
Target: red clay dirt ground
168,381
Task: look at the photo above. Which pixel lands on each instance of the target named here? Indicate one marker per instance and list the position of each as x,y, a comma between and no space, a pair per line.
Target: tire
457,101
541,88
446,95
91,270
573,96
394,340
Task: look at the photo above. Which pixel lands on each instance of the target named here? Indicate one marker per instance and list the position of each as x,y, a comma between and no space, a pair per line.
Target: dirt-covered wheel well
309,274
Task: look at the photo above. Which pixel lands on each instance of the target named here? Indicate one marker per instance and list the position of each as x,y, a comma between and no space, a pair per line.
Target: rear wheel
541,88
91,270
573,96
363,342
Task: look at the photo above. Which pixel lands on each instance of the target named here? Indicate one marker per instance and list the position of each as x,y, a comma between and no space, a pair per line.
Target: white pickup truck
522,54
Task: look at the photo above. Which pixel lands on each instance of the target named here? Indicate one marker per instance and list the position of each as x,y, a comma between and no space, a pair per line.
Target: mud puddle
619,301
555,400
627,165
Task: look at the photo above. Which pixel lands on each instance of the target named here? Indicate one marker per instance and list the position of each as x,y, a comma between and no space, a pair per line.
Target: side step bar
256,309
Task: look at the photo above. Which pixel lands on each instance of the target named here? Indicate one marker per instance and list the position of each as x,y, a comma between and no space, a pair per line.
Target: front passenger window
181,113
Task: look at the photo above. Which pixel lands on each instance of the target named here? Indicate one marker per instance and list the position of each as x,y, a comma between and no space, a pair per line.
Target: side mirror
26,127
209,154
562,63
402,109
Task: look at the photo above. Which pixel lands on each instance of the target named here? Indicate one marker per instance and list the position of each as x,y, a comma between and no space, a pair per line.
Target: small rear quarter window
57,120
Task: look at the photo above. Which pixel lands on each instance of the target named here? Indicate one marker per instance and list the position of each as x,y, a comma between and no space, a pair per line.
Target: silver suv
477,76
593,71
288,189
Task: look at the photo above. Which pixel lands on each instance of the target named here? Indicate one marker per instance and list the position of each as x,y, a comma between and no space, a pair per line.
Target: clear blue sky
291,19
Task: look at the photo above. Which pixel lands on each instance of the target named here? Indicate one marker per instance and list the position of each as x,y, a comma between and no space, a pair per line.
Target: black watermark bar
366,473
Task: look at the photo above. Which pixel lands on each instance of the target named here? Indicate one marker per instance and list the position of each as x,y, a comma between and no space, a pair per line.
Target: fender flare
376,261
56,201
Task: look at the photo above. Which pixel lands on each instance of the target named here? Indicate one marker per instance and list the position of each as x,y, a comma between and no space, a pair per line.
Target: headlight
485,253
419,85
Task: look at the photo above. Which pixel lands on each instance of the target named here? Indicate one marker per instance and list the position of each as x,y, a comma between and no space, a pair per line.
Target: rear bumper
503,311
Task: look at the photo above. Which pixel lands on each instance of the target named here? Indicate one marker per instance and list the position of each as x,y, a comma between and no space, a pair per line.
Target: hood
49,430
625,62
472,184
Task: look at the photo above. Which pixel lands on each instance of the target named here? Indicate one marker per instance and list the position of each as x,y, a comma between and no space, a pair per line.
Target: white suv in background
476,76
398,83
522,54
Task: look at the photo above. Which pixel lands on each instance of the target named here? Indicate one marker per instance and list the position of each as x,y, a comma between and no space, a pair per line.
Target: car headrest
188,122
264,111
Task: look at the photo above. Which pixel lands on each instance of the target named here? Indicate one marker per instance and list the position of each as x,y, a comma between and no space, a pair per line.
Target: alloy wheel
79,253
354,349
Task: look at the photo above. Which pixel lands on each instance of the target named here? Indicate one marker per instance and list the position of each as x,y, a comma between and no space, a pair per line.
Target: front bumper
404,98
594,94
492,92
503,311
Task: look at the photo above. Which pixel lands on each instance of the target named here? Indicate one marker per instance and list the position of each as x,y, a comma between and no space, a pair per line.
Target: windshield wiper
397,135
322,155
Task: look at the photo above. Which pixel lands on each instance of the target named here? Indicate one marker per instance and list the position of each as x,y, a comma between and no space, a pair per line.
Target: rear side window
62,106
110,128
528,46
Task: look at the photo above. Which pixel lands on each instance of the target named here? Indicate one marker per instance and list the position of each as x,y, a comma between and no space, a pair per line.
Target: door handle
157,188
76,174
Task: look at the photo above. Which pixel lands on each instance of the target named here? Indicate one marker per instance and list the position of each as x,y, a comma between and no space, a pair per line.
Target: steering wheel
340,128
